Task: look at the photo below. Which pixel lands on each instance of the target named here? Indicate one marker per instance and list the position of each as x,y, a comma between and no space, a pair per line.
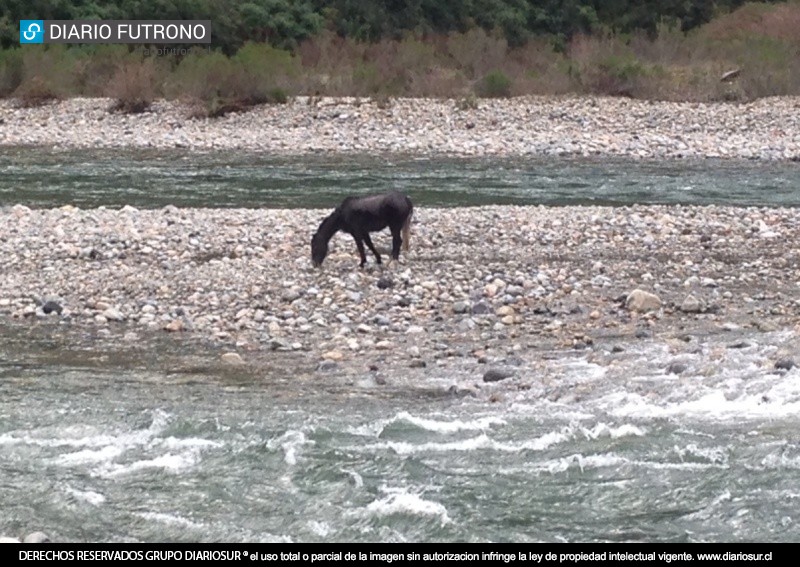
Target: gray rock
497,374
36,537
113,314
676,368
482,308
691,304
465,325
642,301
461,392
232,358
290,295
461,307
766,326
279,344
327,366
52,307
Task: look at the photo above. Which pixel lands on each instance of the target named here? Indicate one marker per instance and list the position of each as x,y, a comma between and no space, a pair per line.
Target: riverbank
766,129
489,288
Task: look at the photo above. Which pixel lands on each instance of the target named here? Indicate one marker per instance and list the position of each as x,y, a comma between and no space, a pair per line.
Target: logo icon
31,31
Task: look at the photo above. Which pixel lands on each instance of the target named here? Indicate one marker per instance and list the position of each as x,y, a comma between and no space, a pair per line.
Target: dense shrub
134,86
47,74
494,85
257,74
10,71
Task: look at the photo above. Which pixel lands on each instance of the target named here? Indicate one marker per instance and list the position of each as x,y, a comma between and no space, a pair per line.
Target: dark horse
361,215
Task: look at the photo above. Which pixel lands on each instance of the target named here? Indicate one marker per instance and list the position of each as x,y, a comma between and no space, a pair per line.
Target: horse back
376,212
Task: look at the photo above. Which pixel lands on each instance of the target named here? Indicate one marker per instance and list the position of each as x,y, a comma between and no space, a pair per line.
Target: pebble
52,307
232,358
333,355
34,537
174,326
327,366
691,304
497,374
232,283
676,368
639,300
533,125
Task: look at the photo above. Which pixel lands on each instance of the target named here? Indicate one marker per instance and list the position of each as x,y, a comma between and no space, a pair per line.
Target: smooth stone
676,368
113,314
232,358
327,366
481,308
174,326
691,304
497,374
52,307
461,307
642,301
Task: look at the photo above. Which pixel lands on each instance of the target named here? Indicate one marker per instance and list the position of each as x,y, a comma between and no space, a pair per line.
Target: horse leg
368,240
361,252
397,240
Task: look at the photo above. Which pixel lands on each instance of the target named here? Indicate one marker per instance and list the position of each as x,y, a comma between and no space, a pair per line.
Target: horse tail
407,229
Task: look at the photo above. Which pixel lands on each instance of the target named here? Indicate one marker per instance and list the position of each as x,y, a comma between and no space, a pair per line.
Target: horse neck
330,225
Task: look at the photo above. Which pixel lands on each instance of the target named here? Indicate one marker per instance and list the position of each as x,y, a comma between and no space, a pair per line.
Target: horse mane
330,224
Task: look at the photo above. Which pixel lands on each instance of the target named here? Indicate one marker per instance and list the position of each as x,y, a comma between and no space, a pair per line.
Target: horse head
319,249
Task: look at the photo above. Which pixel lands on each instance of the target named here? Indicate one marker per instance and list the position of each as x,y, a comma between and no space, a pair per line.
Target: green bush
476,52
95,66
48,73
257,74
495,84
134,86
201,75
469,102
10,71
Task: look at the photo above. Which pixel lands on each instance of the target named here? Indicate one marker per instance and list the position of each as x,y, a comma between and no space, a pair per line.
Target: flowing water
157,443
150,179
